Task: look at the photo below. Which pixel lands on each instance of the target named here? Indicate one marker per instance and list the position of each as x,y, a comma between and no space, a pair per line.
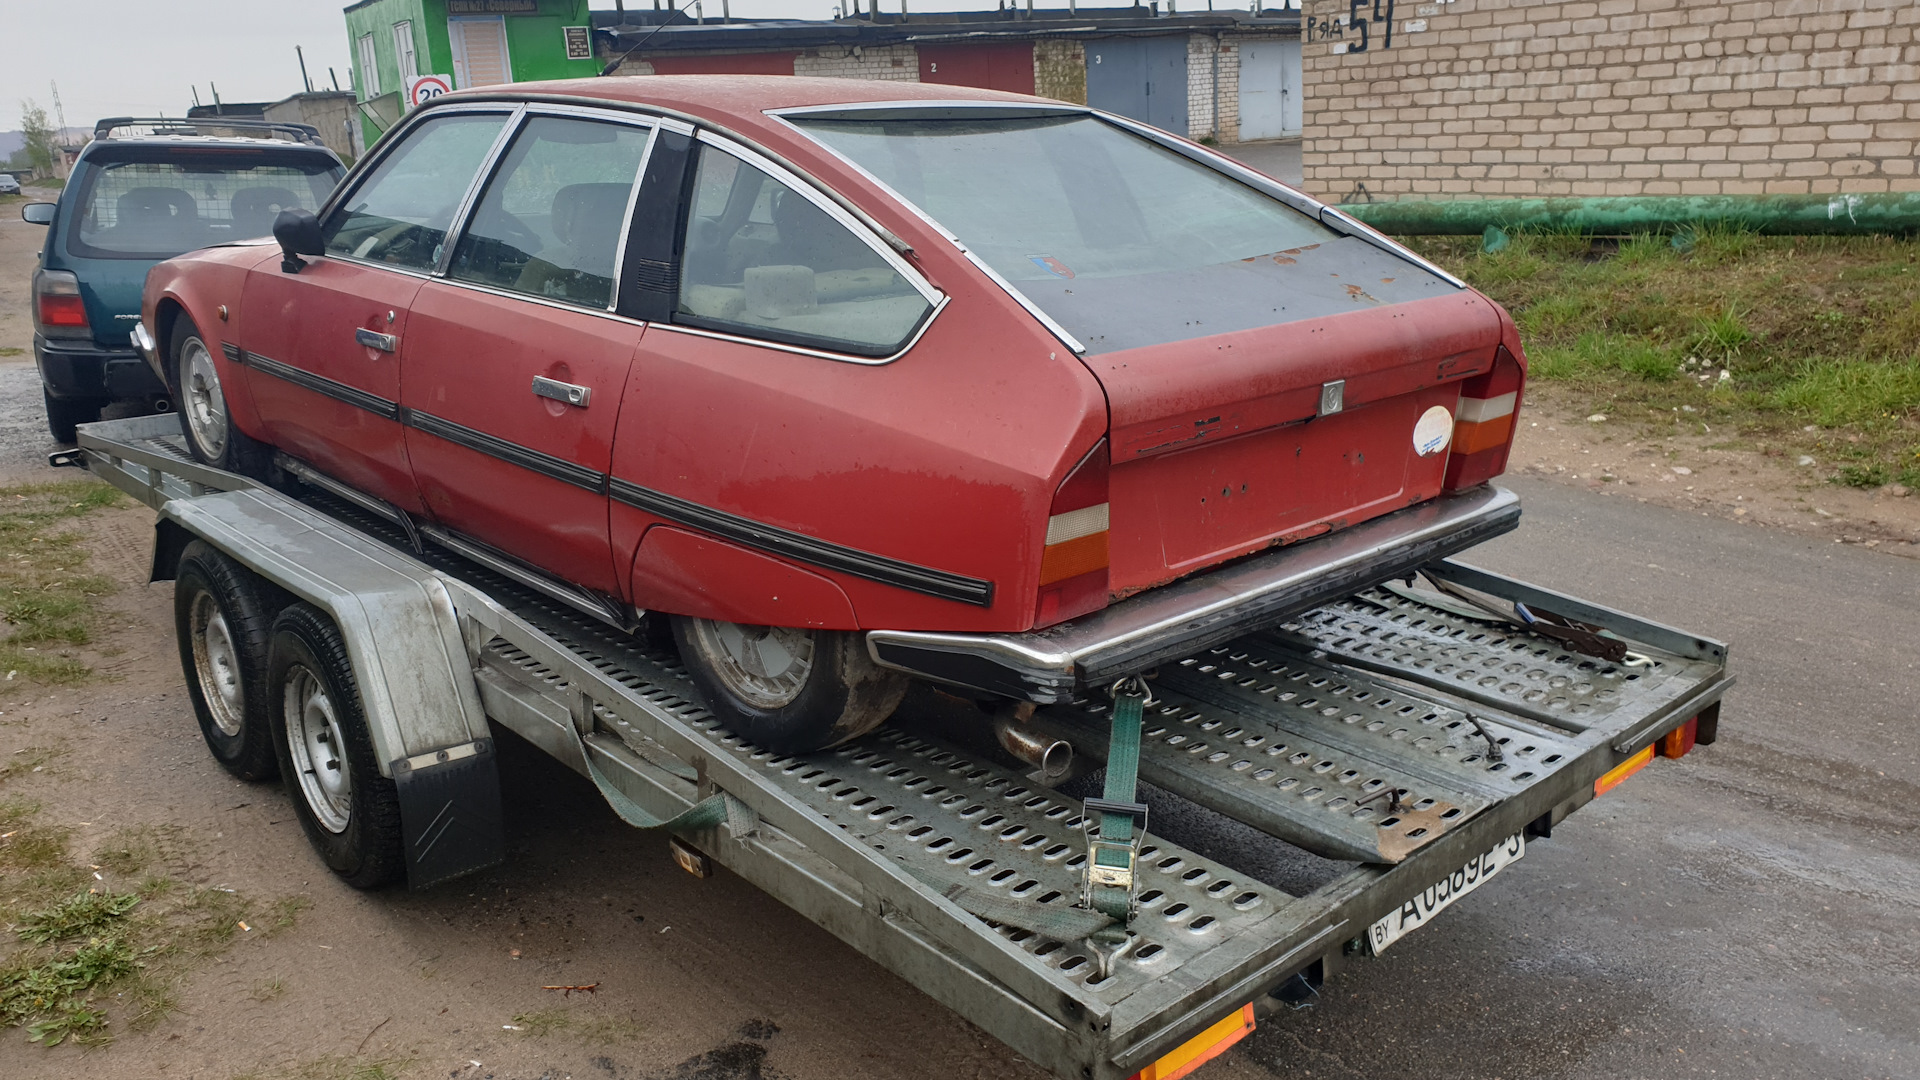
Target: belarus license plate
1436,898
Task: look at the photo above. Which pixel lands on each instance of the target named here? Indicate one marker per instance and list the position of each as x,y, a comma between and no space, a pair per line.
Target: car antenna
614,65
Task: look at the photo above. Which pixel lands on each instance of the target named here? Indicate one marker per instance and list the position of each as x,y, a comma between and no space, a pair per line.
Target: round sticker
1434,431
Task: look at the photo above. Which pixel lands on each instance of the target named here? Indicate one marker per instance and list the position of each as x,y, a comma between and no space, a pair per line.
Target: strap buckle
1112,864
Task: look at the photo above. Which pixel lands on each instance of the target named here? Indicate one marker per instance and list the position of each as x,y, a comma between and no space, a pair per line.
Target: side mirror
298,232
38,213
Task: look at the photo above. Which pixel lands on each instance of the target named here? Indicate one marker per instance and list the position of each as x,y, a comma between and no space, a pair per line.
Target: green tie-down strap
1114,845
713,810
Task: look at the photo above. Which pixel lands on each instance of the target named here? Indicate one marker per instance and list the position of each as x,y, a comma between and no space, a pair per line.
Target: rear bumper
84,370
1052,665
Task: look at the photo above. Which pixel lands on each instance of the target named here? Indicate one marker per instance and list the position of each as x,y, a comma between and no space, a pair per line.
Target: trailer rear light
1074,562
1619,773
1676,743
58,310
1202,1048
1483,424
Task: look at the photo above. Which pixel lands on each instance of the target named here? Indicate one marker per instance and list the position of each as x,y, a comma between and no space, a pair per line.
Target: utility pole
335,79
196,96
308,83
59,112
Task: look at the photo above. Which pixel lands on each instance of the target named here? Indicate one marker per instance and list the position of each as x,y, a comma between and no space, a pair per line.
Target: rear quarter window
157,202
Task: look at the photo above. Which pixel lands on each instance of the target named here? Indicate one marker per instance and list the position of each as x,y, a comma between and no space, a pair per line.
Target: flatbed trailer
1406,746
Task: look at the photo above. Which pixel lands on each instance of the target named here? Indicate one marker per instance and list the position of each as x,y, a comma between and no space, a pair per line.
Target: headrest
589,214
157,202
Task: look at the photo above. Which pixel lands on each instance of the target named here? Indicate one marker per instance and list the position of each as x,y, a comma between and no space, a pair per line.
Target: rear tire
204,417
66,414
223,620
351,812
790,691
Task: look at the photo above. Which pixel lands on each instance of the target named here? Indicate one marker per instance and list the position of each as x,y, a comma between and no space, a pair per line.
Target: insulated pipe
1053,757
1779,215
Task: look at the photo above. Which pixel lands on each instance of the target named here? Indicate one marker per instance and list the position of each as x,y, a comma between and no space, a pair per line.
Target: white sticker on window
1434,431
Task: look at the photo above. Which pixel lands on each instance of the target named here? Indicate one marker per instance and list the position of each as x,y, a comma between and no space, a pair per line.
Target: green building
471,42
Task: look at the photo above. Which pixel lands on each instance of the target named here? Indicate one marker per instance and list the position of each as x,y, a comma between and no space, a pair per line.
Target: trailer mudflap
450,816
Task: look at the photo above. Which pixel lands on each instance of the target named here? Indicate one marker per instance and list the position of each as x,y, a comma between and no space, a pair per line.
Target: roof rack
164,125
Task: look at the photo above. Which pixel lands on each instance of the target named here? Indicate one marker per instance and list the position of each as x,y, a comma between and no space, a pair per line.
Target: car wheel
66,414
204,418
350,812
791,691
223,620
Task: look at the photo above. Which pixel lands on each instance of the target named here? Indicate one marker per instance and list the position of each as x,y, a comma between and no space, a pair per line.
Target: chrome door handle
384,342
564,392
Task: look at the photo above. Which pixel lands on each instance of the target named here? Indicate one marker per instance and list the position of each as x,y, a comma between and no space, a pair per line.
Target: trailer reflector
1619,773
690,858
1677,742
1202,1048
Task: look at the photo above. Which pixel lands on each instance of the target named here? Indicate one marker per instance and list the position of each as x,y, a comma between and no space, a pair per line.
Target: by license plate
1436,898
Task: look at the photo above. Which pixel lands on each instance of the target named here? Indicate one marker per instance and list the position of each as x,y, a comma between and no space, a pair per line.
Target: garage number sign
424,88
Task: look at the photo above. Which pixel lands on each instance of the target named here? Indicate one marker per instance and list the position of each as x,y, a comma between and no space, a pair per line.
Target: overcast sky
145,57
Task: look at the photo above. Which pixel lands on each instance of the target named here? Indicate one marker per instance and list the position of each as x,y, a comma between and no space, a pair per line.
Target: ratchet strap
1115,822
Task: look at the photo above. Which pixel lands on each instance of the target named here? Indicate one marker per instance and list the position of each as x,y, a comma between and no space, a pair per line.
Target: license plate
1436,898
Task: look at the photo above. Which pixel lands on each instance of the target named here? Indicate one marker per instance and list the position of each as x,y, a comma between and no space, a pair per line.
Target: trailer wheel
223,619
204,418
791,691
350,812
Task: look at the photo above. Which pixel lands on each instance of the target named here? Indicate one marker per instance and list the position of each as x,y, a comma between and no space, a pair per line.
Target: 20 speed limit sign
424,88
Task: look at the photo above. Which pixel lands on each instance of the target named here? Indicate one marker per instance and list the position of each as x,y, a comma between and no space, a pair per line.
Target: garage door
1145,78
994,67
1269,89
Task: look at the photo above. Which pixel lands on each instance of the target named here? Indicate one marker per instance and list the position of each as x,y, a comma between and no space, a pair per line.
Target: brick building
1609,97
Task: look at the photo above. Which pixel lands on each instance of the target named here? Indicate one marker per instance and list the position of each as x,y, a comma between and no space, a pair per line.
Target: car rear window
156,202
1119,239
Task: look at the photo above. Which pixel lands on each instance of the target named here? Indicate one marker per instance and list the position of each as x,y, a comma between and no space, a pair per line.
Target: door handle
384,342
564,392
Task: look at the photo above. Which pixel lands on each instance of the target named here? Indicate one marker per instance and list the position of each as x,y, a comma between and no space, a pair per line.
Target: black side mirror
38,213
299,234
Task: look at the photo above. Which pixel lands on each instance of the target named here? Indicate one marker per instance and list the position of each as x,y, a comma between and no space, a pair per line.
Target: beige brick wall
895,62
1060,70
1612,97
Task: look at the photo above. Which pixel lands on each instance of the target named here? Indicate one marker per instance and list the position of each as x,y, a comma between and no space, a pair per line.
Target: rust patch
1285,261
1355,292
1396,842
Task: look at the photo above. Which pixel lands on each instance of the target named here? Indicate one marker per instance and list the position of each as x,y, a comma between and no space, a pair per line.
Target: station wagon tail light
1073,565
1484,422
58,311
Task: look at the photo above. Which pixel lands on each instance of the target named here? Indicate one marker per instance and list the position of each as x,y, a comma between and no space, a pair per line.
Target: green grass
48,600
1810,331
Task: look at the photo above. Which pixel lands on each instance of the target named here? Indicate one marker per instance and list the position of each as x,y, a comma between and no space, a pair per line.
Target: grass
48,600
85,952
560,1019
1750,336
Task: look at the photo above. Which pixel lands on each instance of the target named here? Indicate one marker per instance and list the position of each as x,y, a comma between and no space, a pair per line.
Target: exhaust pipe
162,405
1052,757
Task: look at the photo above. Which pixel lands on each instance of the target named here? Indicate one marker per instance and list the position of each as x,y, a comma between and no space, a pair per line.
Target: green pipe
1780,215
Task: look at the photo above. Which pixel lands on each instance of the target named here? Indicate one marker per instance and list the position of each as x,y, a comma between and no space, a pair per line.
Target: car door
322,347
516,362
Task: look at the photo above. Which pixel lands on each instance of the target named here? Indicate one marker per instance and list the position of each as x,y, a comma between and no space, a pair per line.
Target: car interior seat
586,220
153,219
255,208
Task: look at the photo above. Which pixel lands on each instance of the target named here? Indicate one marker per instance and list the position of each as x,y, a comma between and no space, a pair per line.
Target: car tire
350,812
205,420
223,620
66,414
787,690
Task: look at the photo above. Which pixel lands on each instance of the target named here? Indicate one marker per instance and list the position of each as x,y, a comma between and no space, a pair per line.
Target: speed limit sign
424,88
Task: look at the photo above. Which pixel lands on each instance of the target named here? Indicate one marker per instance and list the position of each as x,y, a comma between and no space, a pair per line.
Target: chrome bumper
1177,619
143,341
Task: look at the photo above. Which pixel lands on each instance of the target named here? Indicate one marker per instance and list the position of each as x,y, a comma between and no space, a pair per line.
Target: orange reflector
1071,558
1202,1048
1619,773
1677,742
1471,438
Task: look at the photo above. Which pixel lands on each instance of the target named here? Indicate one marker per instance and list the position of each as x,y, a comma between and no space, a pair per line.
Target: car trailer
1401,732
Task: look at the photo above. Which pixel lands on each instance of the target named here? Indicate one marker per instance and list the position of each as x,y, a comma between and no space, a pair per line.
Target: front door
515,364
323,347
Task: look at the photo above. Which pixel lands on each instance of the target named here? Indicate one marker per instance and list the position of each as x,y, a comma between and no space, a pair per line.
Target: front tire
224,620
351,812
204,418
790,691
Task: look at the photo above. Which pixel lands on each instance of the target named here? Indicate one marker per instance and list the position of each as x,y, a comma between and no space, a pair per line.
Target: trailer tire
351,812
205,419
828,691
223,619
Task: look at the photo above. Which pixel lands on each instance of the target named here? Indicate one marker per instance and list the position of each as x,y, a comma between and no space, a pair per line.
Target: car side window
401,213
549,224
760,259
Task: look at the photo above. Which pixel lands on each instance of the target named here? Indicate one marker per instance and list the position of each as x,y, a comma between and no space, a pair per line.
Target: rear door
516,362
322,348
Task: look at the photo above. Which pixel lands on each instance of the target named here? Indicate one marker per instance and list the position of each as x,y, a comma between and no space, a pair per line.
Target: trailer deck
1402,741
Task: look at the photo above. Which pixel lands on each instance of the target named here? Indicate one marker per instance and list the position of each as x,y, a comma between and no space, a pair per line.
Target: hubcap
765,666
205,406
216,664
319,754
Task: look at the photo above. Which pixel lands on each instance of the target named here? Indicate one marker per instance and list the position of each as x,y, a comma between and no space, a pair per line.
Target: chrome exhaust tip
1052,757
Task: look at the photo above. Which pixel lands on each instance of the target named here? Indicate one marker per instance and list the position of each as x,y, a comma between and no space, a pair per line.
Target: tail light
1073,567
1483,425
58,310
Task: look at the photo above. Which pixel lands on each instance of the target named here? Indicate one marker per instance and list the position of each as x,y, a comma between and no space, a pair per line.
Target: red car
856,381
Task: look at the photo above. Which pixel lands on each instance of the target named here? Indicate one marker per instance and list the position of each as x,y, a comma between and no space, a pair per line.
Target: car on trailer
145,190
